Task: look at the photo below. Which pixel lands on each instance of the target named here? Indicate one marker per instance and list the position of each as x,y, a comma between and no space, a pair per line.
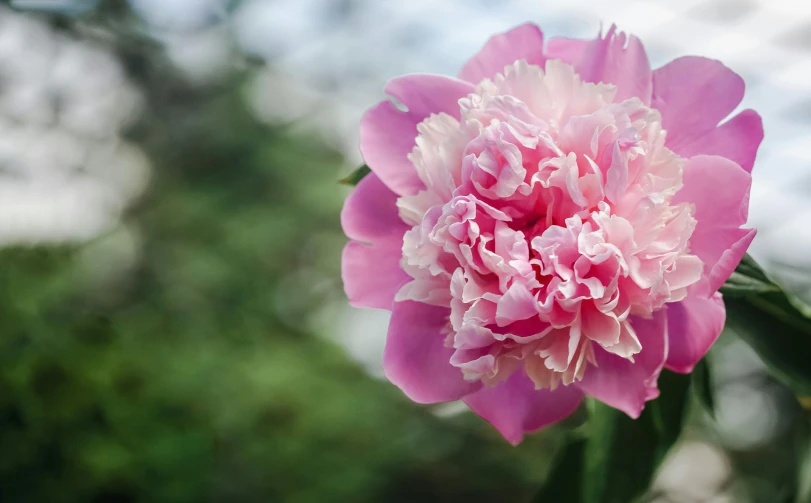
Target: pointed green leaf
778,332
748,278
774,323
356,176
739,284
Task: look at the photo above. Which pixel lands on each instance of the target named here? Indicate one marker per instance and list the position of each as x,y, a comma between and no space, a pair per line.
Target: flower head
554,222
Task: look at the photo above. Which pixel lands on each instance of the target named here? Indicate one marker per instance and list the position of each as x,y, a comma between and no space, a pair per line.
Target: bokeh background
172,323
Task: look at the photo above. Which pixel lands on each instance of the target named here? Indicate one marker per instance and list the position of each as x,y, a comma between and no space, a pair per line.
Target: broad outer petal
522,42
416,358
694,95
622,384
719,189
693,326
618,59
515,407
737,139
370,212
568,50
387,134
371,273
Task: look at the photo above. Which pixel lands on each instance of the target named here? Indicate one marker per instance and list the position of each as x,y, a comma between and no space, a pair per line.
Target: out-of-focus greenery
184,373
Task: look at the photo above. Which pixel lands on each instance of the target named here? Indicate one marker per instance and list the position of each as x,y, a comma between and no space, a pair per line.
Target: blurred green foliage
169,360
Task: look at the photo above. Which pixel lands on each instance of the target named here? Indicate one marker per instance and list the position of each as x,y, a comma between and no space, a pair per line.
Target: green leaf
564,482
623,454
356,176
739,285
779,333
702,386
668,411
748,267
747,279
775,324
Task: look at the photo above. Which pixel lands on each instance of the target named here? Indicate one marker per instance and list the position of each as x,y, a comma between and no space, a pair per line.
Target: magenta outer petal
425,94
719,189
694,95
370,212
522,42
737,139
568,50
515,407
730,259
622,384
371,269
387,134
618,59
386,138
416,358
693,326
372,273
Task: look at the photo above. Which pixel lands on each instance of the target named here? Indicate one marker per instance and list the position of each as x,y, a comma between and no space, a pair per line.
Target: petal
737,139
599,327
568,50
517,304
627,385
387,134
717,239
416,358
434,290
372,274
694,95
730,259
425,94
693,325
515,407
522,42
370,212
618,59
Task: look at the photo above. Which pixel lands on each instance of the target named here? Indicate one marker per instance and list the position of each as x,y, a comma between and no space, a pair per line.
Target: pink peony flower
553,223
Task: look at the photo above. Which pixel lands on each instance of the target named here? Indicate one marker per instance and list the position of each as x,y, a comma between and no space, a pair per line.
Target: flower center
545,223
